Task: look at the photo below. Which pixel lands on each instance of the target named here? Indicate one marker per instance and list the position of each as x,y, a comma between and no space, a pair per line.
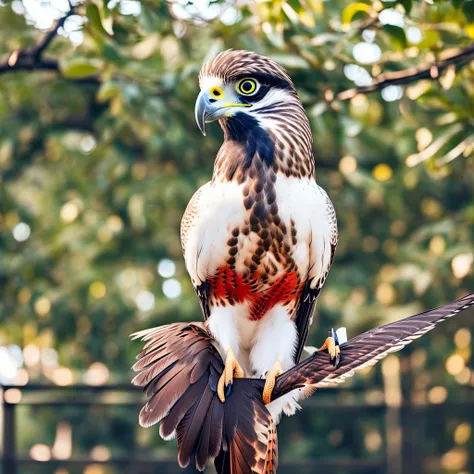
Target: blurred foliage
99,156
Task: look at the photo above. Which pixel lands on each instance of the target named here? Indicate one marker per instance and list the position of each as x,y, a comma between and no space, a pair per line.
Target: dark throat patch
246,130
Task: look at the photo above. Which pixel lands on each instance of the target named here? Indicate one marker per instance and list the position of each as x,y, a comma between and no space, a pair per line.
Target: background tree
99,154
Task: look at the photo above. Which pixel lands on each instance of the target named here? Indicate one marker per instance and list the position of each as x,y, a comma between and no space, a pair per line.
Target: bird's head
242,85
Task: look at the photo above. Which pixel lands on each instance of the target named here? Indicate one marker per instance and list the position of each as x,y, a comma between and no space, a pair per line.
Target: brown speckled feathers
231,64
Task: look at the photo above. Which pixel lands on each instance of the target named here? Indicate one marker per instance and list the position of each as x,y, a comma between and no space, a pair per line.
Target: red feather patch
229,287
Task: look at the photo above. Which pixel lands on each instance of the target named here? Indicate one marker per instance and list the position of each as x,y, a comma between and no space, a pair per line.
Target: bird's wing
365,350
323,244
179,353
179,368
304,315
188,223
190,216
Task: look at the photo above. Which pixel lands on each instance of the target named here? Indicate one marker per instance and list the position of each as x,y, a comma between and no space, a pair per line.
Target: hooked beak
208,109
203,109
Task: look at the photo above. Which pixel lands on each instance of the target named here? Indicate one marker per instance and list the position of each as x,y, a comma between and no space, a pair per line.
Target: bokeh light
11,360
454,364
40,452
12,396
62,447
462,264
172,288
462,434
21,232
63,376
390,16
100,453
392,93
94,469
166,268
455,459
31,354
382,172
42,306
347,165
97,374
373,441
437,395
69,212
358,74
462,338
414,35
366,53
97,290
145,300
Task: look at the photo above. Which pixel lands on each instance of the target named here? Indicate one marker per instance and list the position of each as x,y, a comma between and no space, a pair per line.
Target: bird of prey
260,237
180,365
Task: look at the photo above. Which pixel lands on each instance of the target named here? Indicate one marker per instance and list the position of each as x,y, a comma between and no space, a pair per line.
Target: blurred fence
403,427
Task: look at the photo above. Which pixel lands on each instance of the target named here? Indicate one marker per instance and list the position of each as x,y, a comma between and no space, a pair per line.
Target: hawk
260,237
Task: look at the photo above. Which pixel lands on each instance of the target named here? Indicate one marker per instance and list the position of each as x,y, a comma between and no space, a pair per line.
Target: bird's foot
332,346
272,374
232,370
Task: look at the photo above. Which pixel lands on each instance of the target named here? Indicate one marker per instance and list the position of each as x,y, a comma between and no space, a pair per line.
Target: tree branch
412,74
25,61
43,44
32,59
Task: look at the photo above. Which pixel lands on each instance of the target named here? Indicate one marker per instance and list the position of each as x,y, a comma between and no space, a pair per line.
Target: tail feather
216,422
191,428
271,459
183,397
181,407
203,445
222,463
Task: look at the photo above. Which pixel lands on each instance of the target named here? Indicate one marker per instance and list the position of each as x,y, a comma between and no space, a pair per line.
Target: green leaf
291,61
431,38
407,5
107,23
80,67
108,90
318,109
350,11
93,15
103,26
397,36
111,54
148,19
468,10
275,34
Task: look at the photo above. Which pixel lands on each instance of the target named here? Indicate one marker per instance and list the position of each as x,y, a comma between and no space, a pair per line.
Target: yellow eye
247,86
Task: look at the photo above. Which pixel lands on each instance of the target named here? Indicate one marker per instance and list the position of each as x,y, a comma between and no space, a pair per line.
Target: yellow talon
232,370
332,346
270,379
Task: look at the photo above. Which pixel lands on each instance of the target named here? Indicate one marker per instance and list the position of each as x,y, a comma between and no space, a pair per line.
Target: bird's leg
331,344
232,370
272,374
